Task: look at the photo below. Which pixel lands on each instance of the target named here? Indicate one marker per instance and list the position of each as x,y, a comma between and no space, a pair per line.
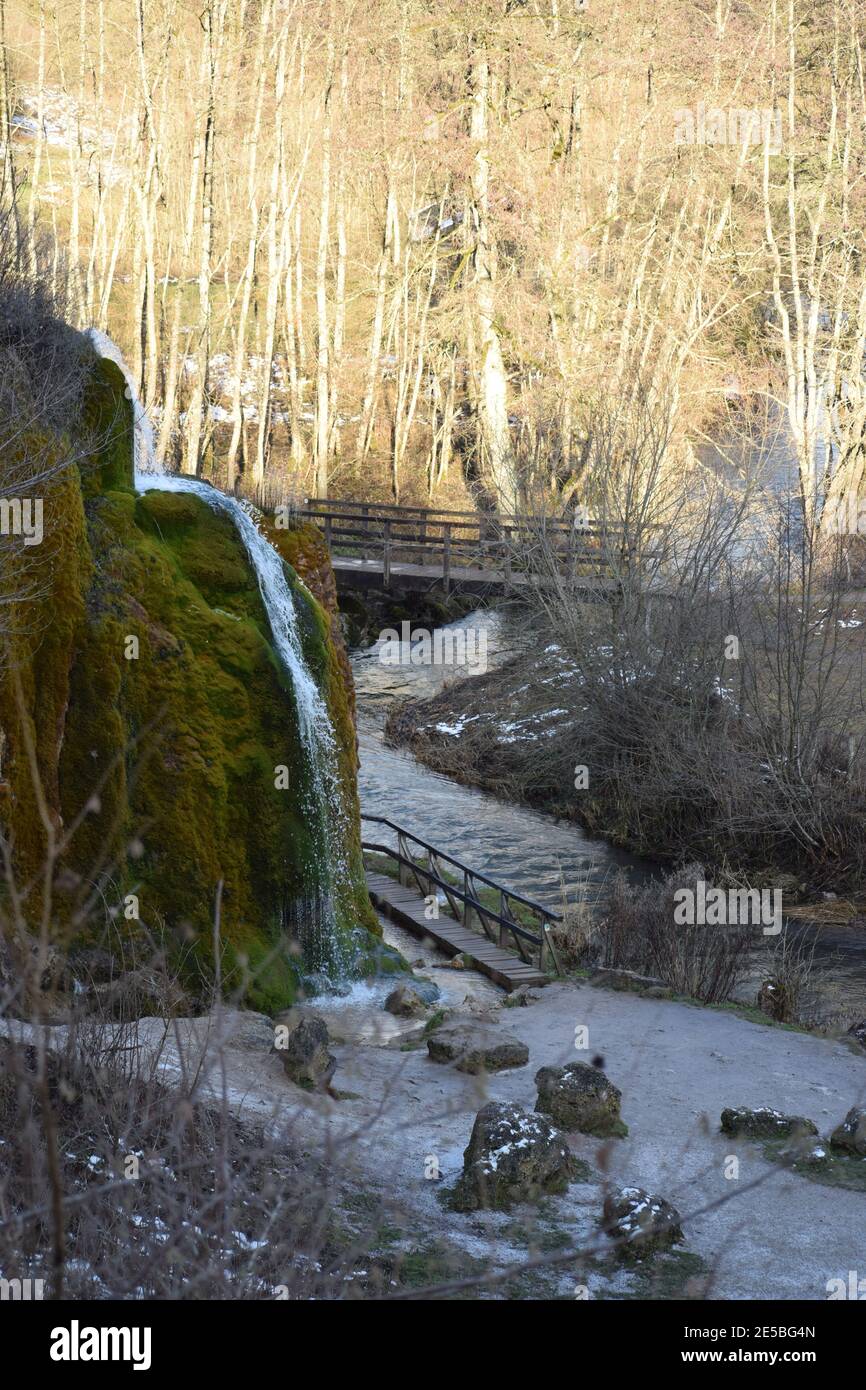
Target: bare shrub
790,969
639,932
717,690
574,936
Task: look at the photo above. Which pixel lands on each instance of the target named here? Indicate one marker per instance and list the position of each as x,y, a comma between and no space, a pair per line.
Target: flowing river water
537,855
544,858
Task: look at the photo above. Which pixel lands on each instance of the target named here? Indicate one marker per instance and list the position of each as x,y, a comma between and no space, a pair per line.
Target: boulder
411,1000
580,1097
476,1049
520,998
405,1002
850,1136
630,982
642,1223
247,1031
765,1123
301,1041
512,1156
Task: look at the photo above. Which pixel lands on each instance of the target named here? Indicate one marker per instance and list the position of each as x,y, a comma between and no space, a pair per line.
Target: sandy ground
769,1233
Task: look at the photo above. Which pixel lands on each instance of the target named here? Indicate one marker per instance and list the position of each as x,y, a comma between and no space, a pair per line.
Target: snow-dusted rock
580,1097
512,1156
765,1123
641,1222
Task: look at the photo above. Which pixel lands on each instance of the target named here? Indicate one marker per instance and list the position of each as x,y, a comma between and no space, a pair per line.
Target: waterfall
323,803
145,448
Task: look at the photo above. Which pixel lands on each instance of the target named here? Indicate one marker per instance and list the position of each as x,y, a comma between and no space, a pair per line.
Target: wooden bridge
378,545
506,936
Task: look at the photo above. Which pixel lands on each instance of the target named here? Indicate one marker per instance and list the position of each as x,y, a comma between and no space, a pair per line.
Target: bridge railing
450,540
431,870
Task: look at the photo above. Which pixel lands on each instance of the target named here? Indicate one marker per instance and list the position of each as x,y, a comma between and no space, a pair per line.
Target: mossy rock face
152,696
107,421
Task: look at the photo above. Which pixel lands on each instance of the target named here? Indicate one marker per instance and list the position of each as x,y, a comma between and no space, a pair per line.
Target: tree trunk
493,429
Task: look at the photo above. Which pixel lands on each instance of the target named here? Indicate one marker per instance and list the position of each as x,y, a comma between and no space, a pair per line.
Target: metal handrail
449,888
464,868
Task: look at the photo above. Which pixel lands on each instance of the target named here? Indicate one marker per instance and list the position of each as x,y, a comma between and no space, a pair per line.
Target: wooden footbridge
460,911
378,545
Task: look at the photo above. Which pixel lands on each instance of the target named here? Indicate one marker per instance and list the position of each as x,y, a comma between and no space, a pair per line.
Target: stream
544,858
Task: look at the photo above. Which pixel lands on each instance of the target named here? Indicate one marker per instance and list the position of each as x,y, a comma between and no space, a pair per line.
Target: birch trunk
494,435
323,424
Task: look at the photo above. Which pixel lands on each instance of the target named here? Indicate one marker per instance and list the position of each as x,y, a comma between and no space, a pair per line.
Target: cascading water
324,952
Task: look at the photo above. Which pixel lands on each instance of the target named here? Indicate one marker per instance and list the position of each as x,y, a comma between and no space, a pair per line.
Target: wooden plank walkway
405,906
370,574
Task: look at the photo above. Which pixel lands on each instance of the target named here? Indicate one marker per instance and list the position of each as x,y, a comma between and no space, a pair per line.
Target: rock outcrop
143,675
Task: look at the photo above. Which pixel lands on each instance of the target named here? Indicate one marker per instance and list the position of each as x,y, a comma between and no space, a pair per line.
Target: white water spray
323,803
145,448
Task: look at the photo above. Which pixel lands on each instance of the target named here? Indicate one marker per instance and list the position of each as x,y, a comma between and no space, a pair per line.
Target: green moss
156,700
107,418
669,1276
833,1169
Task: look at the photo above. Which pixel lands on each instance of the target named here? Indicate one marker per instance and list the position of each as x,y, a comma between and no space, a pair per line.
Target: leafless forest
411,244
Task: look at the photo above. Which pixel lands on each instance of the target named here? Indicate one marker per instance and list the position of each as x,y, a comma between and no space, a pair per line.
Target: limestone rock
630,982
411,1000
643,1223
405,1002
475,1049
765,1123
850,1135
301,1041
512,1156
248,1031
522,997
580,1097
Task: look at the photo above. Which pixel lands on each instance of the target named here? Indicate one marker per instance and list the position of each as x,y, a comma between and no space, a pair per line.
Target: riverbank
503,745
386,1143
516,732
